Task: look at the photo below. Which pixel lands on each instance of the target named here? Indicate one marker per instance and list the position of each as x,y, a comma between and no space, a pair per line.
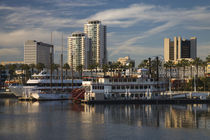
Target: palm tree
96,67
111,67
55,67
12,69
169,64
91,67
208,58
178,66
40,67
184,64
144,64
197,62
66,67
32,66
25,68
191,68
105,69
204,64
79,68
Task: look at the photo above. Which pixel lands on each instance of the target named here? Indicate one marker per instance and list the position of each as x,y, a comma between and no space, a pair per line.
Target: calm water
64,120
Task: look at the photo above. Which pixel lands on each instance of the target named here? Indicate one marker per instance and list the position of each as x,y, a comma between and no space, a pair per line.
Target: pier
151,101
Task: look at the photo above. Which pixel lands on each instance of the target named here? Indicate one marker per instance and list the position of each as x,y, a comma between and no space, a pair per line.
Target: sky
135,28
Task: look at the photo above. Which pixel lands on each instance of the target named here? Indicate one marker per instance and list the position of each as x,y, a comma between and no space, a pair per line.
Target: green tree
91,67
184,63
55,67
169,64
96,65
12,69
197,62
105,69
208,58
40,67
79,68
66,67
32,67
144,64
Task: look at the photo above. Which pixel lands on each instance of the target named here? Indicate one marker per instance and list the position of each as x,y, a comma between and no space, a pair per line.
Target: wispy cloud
22,23
199,27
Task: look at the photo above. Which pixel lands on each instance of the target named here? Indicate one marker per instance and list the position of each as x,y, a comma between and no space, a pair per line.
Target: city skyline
134,28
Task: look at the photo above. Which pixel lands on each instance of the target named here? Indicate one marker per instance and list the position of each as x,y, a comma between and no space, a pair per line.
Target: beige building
97,33
180,48
79,50
125,60
37,52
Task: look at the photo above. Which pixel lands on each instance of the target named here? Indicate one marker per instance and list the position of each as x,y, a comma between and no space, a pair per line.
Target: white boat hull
50,96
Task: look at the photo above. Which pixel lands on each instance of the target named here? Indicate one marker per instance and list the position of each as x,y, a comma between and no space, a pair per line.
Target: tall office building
37,52
79,50
180,48
97,33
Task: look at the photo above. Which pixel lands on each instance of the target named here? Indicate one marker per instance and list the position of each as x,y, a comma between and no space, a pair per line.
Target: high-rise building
180,48
79,50
37,52
97,33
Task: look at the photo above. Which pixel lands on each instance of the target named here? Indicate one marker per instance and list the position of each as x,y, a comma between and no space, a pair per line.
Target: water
64,120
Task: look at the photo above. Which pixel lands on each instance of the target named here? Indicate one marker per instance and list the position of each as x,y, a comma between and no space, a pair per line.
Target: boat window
136,87
141,87
145,87
132,87
122,87
118,87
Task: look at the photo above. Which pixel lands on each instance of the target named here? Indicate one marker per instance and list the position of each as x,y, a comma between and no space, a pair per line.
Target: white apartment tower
37,52
78,50
97,33
180,48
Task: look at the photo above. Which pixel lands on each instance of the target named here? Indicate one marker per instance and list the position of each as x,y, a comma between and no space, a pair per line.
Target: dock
4,94
151,101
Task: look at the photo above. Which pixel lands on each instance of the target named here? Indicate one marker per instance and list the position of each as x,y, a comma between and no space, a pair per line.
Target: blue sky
134,27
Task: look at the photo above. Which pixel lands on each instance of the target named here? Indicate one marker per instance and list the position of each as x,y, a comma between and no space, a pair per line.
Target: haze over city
134,28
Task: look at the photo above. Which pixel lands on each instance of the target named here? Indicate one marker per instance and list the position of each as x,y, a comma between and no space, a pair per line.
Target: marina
65,120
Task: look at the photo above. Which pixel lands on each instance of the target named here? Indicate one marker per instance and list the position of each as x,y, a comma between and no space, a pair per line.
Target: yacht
123,88
42,82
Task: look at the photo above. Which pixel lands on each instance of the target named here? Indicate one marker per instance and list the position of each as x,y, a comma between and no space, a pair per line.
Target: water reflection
168,116
65,120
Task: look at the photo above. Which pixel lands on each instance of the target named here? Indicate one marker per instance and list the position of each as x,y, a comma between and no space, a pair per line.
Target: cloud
18,37
199,27
22,23
9,51
203,50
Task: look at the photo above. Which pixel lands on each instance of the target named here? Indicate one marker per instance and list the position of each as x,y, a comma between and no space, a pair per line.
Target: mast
51,49
72,72
62,62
